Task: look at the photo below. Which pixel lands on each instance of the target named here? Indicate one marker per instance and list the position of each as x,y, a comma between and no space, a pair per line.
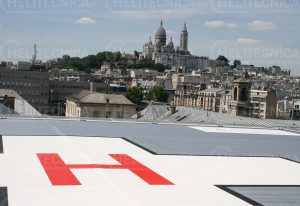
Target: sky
260,33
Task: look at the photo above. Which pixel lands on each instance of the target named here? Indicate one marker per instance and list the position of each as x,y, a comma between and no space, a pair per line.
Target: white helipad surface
244,131
194,177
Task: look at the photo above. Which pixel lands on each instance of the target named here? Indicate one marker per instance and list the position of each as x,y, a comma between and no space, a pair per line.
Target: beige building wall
264,104
99,110
72,109
204,100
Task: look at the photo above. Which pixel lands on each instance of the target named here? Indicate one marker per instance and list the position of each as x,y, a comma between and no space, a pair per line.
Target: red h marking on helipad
60,173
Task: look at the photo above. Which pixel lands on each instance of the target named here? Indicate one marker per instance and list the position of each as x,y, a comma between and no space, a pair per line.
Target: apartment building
264,104
32,85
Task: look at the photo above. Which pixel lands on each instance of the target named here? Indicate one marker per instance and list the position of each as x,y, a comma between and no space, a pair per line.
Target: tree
224,59
136,54
236,63
135,94
100,57
157,94
77,63
91,61
109,56
160,67
123,64
118,56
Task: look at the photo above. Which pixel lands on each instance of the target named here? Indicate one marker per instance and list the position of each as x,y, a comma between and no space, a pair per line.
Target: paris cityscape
163,74
149,103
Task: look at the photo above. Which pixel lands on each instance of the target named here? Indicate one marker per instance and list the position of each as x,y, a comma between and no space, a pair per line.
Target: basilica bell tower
184,36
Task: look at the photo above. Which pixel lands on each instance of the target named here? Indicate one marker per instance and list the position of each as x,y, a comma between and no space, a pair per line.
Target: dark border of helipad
227,189
1,145
3,190
163,154
238,195
195,155
3,196
163,138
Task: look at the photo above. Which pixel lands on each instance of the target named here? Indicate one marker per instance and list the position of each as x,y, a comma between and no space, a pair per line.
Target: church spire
184,28
161,22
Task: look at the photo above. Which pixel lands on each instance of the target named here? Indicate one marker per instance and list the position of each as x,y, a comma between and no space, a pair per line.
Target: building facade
264,104
33,86
240,104
99,105
210,99
199,97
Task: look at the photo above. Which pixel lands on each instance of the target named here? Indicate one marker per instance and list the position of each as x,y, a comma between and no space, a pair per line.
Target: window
244,96
119,115
235,94
96,114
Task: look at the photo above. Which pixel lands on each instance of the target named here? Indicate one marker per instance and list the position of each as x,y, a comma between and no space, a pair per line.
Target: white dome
161,32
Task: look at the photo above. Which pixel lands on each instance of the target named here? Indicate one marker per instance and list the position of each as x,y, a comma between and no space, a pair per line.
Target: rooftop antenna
34,54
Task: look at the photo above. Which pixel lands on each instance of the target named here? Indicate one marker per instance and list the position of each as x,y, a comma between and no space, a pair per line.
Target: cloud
214,24
247,41
220,24
262,25
85,20
170,32
168,11
231,25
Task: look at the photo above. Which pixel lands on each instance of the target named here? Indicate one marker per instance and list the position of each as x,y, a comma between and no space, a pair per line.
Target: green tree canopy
236,63
157,94
135,94
223,58
161,67
94,62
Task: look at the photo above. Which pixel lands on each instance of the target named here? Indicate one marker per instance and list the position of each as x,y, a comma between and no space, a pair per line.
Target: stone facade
240,103
197,96
99,105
